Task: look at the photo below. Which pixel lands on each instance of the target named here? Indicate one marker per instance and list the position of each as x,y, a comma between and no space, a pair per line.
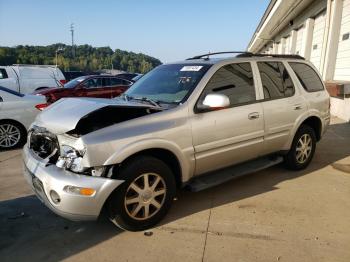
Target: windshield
168,83
73,83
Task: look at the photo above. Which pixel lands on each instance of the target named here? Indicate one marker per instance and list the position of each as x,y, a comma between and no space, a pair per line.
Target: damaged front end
46,146
58,140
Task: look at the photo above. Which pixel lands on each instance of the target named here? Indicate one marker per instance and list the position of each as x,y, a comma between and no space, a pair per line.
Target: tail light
41,107
63,81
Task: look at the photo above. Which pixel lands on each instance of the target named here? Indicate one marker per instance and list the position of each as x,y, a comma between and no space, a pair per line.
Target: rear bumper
45,179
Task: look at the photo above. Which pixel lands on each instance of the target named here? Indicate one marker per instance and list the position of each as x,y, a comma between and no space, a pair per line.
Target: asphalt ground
271,215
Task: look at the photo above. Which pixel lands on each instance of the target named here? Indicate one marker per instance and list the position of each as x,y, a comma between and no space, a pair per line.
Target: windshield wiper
144,99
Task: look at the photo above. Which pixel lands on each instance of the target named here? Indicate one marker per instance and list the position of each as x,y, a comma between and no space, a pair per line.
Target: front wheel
302,150
146,195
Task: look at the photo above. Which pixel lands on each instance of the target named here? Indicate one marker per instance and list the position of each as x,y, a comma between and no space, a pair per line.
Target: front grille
44,144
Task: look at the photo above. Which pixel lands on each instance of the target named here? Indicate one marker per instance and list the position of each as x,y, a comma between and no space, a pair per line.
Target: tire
299,156
132,216
12,135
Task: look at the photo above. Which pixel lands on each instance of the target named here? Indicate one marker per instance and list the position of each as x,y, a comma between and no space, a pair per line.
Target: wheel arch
315,123
165,155
13,121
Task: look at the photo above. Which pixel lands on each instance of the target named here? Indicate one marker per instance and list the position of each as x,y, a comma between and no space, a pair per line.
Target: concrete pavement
272,215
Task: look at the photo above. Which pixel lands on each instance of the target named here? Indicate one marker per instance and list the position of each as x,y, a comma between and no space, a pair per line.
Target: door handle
254,115
297,107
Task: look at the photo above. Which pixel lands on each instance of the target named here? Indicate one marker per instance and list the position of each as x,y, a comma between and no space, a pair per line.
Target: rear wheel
302,150
12,135
146,195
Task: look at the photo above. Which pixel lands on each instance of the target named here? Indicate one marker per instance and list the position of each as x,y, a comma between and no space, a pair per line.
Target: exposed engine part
108,116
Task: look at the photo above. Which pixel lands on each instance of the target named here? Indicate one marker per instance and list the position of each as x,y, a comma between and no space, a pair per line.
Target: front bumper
43,179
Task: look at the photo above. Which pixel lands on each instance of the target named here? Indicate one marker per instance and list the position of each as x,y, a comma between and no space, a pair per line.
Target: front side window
275,80
307,77
74,82
3,74
235,81
93,83
171,83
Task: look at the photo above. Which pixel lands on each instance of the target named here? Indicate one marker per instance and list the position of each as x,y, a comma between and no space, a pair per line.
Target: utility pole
72,33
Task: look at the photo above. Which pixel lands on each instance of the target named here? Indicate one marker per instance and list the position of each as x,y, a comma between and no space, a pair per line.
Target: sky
169,30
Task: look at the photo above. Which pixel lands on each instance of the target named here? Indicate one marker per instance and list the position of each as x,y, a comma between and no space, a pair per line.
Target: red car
88,86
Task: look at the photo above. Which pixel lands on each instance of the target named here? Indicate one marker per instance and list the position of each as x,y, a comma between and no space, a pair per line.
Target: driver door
232,135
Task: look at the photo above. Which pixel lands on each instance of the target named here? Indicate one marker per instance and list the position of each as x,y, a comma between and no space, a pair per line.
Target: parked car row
101,86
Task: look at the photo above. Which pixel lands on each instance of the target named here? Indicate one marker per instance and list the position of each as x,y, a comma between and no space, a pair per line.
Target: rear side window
116,81
235,81
3,74
275,80
106,82
307,77
126,82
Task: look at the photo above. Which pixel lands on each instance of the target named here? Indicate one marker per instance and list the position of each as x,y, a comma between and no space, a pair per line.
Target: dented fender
185,157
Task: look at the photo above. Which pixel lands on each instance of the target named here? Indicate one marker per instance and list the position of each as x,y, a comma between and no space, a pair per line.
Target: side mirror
1,100
213,102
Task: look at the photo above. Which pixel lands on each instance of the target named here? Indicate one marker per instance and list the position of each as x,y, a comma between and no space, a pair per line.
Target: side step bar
218,177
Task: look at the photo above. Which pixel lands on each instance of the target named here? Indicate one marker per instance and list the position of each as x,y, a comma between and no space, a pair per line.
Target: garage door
299,41
317,39
342,66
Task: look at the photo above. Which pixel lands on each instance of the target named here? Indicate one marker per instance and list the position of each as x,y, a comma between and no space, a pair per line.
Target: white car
26,79
17,112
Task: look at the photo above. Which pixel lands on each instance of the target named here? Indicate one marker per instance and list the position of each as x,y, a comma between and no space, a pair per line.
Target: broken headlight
71,159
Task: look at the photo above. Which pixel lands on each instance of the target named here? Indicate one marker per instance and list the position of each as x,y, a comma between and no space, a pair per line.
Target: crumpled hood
64,115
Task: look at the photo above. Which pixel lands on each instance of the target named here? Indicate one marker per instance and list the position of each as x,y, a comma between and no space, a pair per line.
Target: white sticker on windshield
191,68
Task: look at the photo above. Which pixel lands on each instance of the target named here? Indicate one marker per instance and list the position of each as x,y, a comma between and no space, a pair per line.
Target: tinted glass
116,81
235,81
73,83
3,74
106,81
169,83
307,77
275,80
93,83
126,83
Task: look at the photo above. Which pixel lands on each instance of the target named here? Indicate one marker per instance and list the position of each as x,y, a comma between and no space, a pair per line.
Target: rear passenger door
282,104
232,135
119,86
94,88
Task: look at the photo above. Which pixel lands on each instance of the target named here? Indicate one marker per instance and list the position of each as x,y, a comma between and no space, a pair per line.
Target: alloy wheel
10,135
145,196
304,148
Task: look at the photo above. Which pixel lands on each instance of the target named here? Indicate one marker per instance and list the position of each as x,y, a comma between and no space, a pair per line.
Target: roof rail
218,53
272,55
246,54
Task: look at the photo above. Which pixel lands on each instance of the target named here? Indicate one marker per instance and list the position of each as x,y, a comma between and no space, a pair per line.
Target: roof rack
246,54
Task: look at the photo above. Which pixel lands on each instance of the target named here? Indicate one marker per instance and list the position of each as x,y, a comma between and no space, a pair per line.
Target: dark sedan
88,86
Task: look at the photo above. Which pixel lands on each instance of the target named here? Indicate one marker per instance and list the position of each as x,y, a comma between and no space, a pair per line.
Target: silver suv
195,123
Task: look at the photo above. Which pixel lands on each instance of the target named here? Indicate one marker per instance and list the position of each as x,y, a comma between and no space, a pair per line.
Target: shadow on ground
30,231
